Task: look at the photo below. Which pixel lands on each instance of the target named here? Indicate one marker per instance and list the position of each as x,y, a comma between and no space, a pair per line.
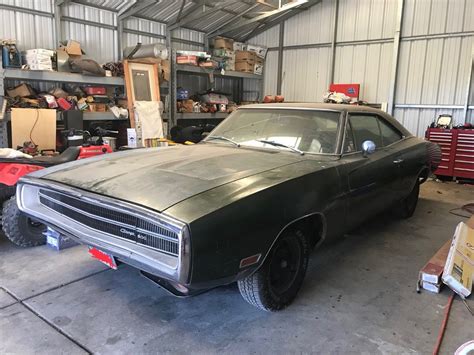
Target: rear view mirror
368,147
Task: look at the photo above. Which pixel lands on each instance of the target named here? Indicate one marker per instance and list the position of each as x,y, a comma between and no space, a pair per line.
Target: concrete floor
359,296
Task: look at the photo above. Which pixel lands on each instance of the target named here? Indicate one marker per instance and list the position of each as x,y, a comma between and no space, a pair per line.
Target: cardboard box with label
258,50
459,269
225,43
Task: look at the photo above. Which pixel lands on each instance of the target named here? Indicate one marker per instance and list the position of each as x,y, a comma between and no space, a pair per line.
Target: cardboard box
258,69
39,52
245,56
428,286
433,269
244,67
187,59
258,50
72,48
22,90
226,43
238,46
459,269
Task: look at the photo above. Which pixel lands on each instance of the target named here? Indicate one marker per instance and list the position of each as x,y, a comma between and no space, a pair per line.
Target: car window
389,134
365,127
312,131
349,145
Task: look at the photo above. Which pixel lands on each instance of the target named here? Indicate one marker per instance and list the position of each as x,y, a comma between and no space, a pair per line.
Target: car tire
407,206
20,229
275,285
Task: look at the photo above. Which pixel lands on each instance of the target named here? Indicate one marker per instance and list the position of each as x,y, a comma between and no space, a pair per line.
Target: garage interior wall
434,65
32,24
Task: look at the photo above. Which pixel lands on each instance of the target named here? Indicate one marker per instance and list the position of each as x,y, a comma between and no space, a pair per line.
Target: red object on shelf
187,59
351,90
95,90
457,151
64,104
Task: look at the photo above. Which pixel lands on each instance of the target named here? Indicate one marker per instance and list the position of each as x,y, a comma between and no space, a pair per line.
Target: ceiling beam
283,18
135,8
197,15
264,16
228,22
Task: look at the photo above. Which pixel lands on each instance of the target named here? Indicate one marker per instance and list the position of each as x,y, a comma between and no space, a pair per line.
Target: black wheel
20,229
276,283
407,206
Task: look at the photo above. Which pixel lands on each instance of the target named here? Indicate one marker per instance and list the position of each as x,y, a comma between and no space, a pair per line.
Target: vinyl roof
238,19
316,106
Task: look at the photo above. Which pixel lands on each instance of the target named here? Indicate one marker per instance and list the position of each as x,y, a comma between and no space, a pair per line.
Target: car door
371,179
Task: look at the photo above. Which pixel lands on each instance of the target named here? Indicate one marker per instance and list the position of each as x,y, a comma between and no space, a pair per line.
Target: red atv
20,229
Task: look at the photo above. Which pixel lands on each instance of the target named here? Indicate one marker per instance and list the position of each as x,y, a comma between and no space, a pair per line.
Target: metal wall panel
423,17
270,77
311,26
305,74
189,35
417,120
132,23
368,65
268,38
434,71
97,42
366,19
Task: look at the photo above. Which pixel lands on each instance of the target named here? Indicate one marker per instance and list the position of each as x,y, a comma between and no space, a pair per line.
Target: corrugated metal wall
434,55
94,28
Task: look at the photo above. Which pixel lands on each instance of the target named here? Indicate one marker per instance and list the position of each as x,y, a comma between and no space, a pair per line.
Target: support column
280,57
468,88
396,50
57,24
333,43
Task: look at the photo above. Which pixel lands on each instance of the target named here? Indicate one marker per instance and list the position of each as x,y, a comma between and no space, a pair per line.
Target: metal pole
120,38
57,24
333,42
280,57
396,50
468,89
172,85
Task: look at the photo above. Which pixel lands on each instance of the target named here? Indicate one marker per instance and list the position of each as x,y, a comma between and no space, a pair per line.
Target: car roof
315,106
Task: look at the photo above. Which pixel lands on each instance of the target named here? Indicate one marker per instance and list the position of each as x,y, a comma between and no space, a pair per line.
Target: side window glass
389,134
365,127
349,145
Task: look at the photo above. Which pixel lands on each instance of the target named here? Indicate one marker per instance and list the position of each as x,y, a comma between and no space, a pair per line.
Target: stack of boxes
224,53
39,59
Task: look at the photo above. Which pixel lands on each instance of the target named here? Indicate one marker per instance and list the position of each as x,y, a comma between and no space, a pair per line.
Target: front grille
117,223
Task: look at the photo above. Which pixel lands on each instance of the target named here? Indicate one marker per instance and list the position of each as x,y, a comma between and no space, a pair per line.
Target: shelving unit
197,72
55,77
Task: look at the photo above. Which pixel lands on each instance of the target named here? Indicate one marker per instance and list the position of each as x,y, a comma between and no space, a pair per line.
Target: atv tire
20,229
6,192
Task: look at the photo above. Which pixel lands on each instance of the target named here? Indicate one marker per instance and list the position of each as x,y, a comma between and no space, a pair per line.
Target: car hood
159,178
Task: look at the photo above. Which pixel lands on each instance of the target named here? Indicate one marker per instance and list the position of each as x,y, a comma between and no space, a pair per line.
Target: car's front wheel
276,283
19,228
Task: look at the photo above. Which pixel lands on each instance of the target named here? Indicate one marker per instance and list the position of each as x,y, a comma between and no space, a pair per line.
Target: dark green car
247,204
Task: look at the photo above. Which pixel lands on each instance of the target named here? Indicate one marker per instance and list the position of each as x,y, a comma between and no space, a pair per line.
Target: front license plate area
103,257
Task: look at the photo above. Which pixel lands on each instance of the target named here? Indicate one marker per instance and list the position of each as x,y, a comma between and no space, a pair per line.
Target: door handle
398,161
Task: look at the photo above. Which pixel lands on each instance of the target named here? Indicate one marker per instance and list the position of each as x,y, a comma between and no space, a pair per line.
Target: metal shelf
201,116
63,77
207,71
88,116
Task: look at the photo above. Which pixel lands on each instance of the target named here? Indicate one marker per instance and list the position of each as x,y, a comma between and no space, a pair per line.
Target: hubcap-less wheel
276,283
286,262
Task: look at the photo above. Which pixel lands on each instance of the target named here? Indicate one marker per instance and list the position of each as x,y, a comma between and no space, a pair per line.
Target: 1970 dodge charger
247,204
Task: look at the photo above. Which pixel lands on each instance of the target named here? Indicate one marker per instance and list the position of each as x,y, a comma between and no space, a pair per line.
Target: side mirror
368,147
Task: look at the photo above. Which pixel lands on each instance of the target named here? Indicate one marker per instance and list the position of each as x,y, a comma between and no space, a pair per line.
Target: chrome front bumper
168,266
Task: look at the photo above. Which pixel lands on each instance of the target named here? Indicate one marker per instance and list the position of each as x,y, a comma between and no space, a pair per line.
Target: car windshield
300,131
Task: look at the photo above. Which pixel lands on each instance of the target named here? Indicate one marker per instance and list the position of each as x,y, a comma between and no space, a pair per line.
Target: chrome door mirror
368,147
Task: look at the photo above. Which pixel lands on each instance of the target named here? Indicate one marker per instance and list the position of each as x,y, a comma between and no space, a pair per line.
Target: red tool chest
457,147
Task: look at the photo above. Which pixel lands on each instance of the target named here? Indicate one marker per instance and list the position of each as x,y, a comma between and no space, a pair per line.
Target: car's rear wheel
407,206
276,283
19,228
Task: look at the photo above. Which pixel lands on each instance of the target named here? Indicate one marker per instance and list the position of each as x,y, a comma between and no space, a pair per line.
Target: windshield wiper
223,139
276,144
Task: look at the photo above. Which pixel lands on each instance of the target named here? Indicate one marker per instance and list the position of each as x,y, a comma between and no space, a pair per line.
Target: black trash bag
190,134
86,67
